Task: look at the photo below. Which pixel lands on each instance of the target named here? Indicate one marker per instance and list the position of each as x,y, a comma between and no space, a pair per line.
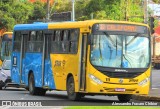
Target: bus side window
17,41
65,41
39,42
56,44
31,42
74,40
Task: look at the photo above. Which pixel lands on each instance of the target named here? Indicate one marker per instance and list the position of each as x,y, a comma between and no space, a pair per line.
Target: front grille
122,74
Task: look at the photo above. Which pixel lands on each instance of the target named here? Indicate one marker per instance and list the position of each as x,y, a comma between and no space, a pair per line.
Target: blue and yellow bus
94,57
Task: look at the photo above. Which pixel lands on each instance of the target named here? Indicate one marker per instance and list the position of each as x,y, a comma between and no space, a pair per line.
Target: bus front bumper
115,89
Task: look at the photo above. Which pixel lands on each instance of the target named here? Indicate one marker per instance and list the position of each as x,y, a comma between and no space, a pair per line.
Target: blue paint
39,26
49,77
15,75
32,62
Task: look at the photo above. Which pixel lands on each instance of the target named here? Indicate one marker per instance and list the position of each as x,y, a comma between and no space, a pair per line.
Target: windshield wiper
138,34
126,60
112,41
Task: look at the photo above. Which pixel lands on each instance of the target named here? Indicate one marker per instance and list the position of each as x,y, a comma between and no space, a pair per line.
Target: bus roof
76,24
38,26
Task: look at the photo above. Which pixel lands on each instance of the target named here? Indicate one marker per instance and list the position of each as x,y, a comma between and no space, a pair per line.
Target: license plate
120,90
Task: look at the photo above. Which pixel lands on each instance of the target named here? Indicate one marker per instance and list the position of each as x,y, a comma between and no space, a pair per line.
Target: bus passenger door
22,58
47,75
18,55
82,83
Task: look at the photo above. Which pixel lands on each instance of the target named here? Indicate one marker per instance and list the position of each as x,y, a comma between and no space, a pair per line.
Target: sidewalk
154,95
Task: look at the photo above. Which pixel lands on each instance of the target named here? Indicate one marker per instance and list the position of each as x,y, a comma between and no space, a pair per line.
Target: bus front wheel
72,95
124,98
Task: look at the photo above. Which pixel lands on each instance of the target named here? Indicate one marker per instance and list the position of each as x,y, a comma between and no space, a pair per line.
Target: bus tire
32,89
124,98
0,88
42,91
72,95
27,88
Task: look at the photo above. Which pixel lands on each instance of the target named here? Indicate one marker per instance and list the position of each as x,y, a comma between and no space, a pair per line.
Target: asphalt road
59,98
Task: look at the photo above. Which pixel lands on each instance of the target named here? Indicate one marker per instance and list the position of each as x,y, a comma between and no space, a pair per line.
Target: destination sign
121,28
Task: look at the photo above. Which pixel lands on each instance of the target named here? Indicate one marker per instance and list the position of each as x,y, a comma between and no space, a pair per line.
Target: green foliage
130,10
156,1
39,11
12,13
20,11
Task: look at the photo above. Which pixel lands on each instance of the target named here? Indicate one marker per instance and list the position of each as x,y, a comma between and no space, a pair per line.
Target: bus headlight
95,79
143,82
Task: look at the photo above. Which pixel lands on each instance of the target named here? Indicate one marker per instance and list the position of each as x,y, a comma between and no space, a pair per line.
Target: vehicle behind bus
6,44
96,57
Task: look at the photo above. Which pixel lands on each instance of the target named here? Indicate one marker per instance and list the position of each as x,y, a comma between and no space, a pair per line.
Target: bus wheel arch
31,84
30,72
70,87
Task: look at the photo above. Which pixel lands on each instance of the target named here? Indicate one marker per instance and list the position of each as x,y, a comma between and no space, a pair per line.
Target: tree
39,11
130,10
156,1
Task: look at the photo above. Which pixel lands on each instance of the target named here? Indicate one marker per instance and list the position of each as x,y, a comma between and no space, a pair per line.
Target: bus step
45,87
82,90
23,85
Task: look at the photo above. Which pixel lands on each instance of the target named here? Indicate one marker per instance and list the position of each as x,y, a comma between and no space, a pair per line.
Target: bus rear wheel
72,95
35,90
124,98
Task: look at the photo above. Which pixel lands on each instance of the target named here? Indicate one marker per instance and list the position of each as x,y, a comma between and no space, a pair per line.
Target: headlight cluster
95,79
143,82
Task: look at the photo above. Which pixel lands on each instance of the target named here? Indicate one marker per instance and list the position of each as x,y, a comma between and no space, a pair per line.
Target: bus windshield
6,45
122,50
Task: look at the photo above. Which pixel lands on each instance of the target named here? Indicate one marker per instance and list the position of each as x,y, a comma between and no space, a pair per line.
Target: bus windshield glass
120,49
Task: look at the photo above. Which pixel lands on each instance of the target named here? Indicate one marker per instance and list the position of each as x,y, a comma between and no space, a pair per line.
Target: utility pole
73,11
47,16
145,11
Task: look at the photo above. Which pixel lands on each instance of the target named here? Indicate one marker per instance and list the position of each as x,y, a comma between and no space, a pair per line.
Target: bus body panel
33,63
49,75
62,66
109,87
15,75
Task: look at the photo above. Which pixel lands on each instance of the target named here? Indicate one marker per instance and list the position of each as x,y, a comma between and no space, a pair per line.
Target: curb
145,98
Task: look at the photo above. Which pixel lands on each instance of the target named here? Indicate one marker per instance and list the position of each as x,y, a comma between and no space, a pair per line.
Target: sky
155,8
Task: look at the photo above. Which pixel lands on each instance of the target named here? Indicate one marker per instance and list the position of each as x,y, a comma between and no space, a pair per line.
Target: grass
112,107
